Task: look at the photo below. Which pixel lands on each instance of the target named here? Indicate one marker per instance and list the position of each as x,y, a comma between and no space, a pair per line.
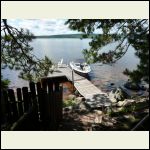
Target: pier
94,97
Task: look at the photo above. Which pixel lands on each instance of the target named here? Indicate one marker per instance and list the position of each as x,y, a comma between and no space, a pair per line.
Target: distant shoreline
78,36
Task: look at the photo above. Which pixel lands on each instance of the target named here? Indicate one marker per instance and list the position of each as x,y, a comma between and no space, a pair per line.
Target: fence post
13,102
51,105
40,100
25,98
20,106
8,108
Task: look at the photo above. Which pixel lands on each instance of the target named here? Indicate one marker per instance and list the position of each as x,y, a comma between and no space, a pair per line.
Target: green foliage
16,53
68,102
125,32
4,83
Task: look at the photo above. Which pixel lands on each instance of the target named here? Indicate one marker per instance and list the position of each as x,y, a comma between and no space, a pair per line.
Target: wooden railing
38,107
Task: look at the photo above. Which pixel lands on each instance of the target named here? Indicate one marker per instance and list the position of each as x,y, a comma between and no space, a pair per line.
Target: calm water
71,49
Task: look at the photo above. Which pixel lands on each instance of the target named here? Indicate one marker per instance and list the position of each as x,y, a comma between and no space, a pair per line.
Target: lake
71,49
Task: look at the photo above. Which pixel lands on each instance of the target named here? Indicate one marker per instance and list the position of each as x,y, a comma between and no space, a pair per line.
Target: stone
82,106
68,108
120,103
115,109
131,85
71,96
126,102
141,100
109,124
98,112
80,99
98,119
117,95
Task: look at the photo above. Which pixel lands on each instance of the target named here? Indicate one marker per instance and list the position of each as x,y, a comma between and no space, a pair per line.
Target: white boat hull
83,72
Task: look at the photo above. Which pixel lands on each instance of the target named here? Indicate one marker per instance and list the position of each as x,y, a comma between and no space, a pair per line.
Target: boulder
117,109
66,109
117,95
98,112
98,119
126,102
71,96
80,99
120,103
82,107
132,86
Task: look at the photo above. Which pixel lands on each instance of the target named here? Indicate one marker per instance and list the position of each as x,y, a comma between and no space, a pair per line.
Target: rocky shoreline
123,114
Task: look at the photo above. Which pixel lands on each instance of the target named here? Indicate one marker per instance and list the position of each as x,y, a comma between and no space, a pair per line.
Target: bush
68,102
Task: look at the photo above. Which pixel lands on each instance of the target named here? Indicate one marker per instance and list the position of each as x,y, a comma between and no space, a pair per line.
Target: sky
43,26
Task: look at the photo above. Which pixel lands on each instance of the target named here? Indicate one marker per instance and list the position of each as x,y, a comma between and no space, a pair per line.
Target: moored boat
80,68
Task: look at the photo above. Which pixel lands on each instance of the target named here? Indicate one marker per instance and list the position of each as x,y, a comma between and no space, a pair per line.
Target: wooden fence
38,107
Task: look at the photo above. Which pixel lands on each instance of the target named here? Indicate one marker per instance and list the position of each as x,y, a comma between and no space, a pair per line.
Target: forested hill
65,36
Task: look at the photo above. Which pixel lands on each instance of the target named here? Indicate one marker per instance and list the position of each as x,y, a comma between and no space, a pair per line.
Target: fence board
44,98
20,101
13,103
25,98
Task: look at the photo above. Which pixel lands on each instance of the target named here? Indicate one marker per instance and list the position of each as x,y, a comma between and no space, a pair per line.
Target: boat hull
76,68
81,74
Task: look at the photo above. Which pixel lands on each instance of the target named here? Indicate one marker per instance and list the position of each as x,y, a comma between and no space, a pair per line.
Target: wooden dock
93,95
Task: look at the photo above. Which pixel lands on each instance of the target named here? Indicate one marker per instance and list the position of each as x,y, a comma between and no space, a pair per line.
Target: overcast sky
43,26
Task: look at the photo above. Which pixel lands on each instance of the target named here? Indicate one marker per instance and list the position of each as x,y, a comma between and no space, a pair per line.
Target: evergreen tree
125,32
16,53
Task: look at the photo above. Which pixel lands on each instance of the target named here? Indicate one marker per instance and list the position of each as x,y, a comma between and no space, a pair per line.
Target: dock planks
93,95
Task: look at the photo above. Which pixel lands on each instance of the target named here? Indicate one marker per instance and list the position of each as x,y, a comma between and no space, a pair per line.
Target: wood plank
20,106
83,85
13,102
25,98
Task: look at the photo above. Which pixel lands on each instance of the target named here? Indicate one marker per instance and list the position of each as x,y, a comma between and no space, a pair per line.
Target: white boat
81,68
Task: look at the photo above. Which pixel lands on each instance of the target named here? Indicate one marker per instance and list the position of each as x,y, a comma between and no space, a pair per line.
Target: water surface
71,49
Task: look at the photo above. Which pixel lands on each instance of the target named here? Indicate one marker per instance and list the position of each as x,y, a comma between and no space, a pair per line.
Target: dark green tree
16,53
124,32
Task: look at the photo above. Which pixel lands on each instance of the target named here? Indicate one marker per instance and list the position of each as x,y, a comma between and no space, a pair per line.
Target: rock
147,90
129,102
114,104
113,100
110,124
132,86
80,99
126,102
146,94
120,103
98,119
117,109
98,112
71,96
68,108
141,100
117,95
143,88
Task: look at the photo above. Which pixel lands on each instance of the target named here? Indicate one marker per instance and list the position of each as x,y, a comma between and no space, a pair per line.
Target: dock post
73,80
